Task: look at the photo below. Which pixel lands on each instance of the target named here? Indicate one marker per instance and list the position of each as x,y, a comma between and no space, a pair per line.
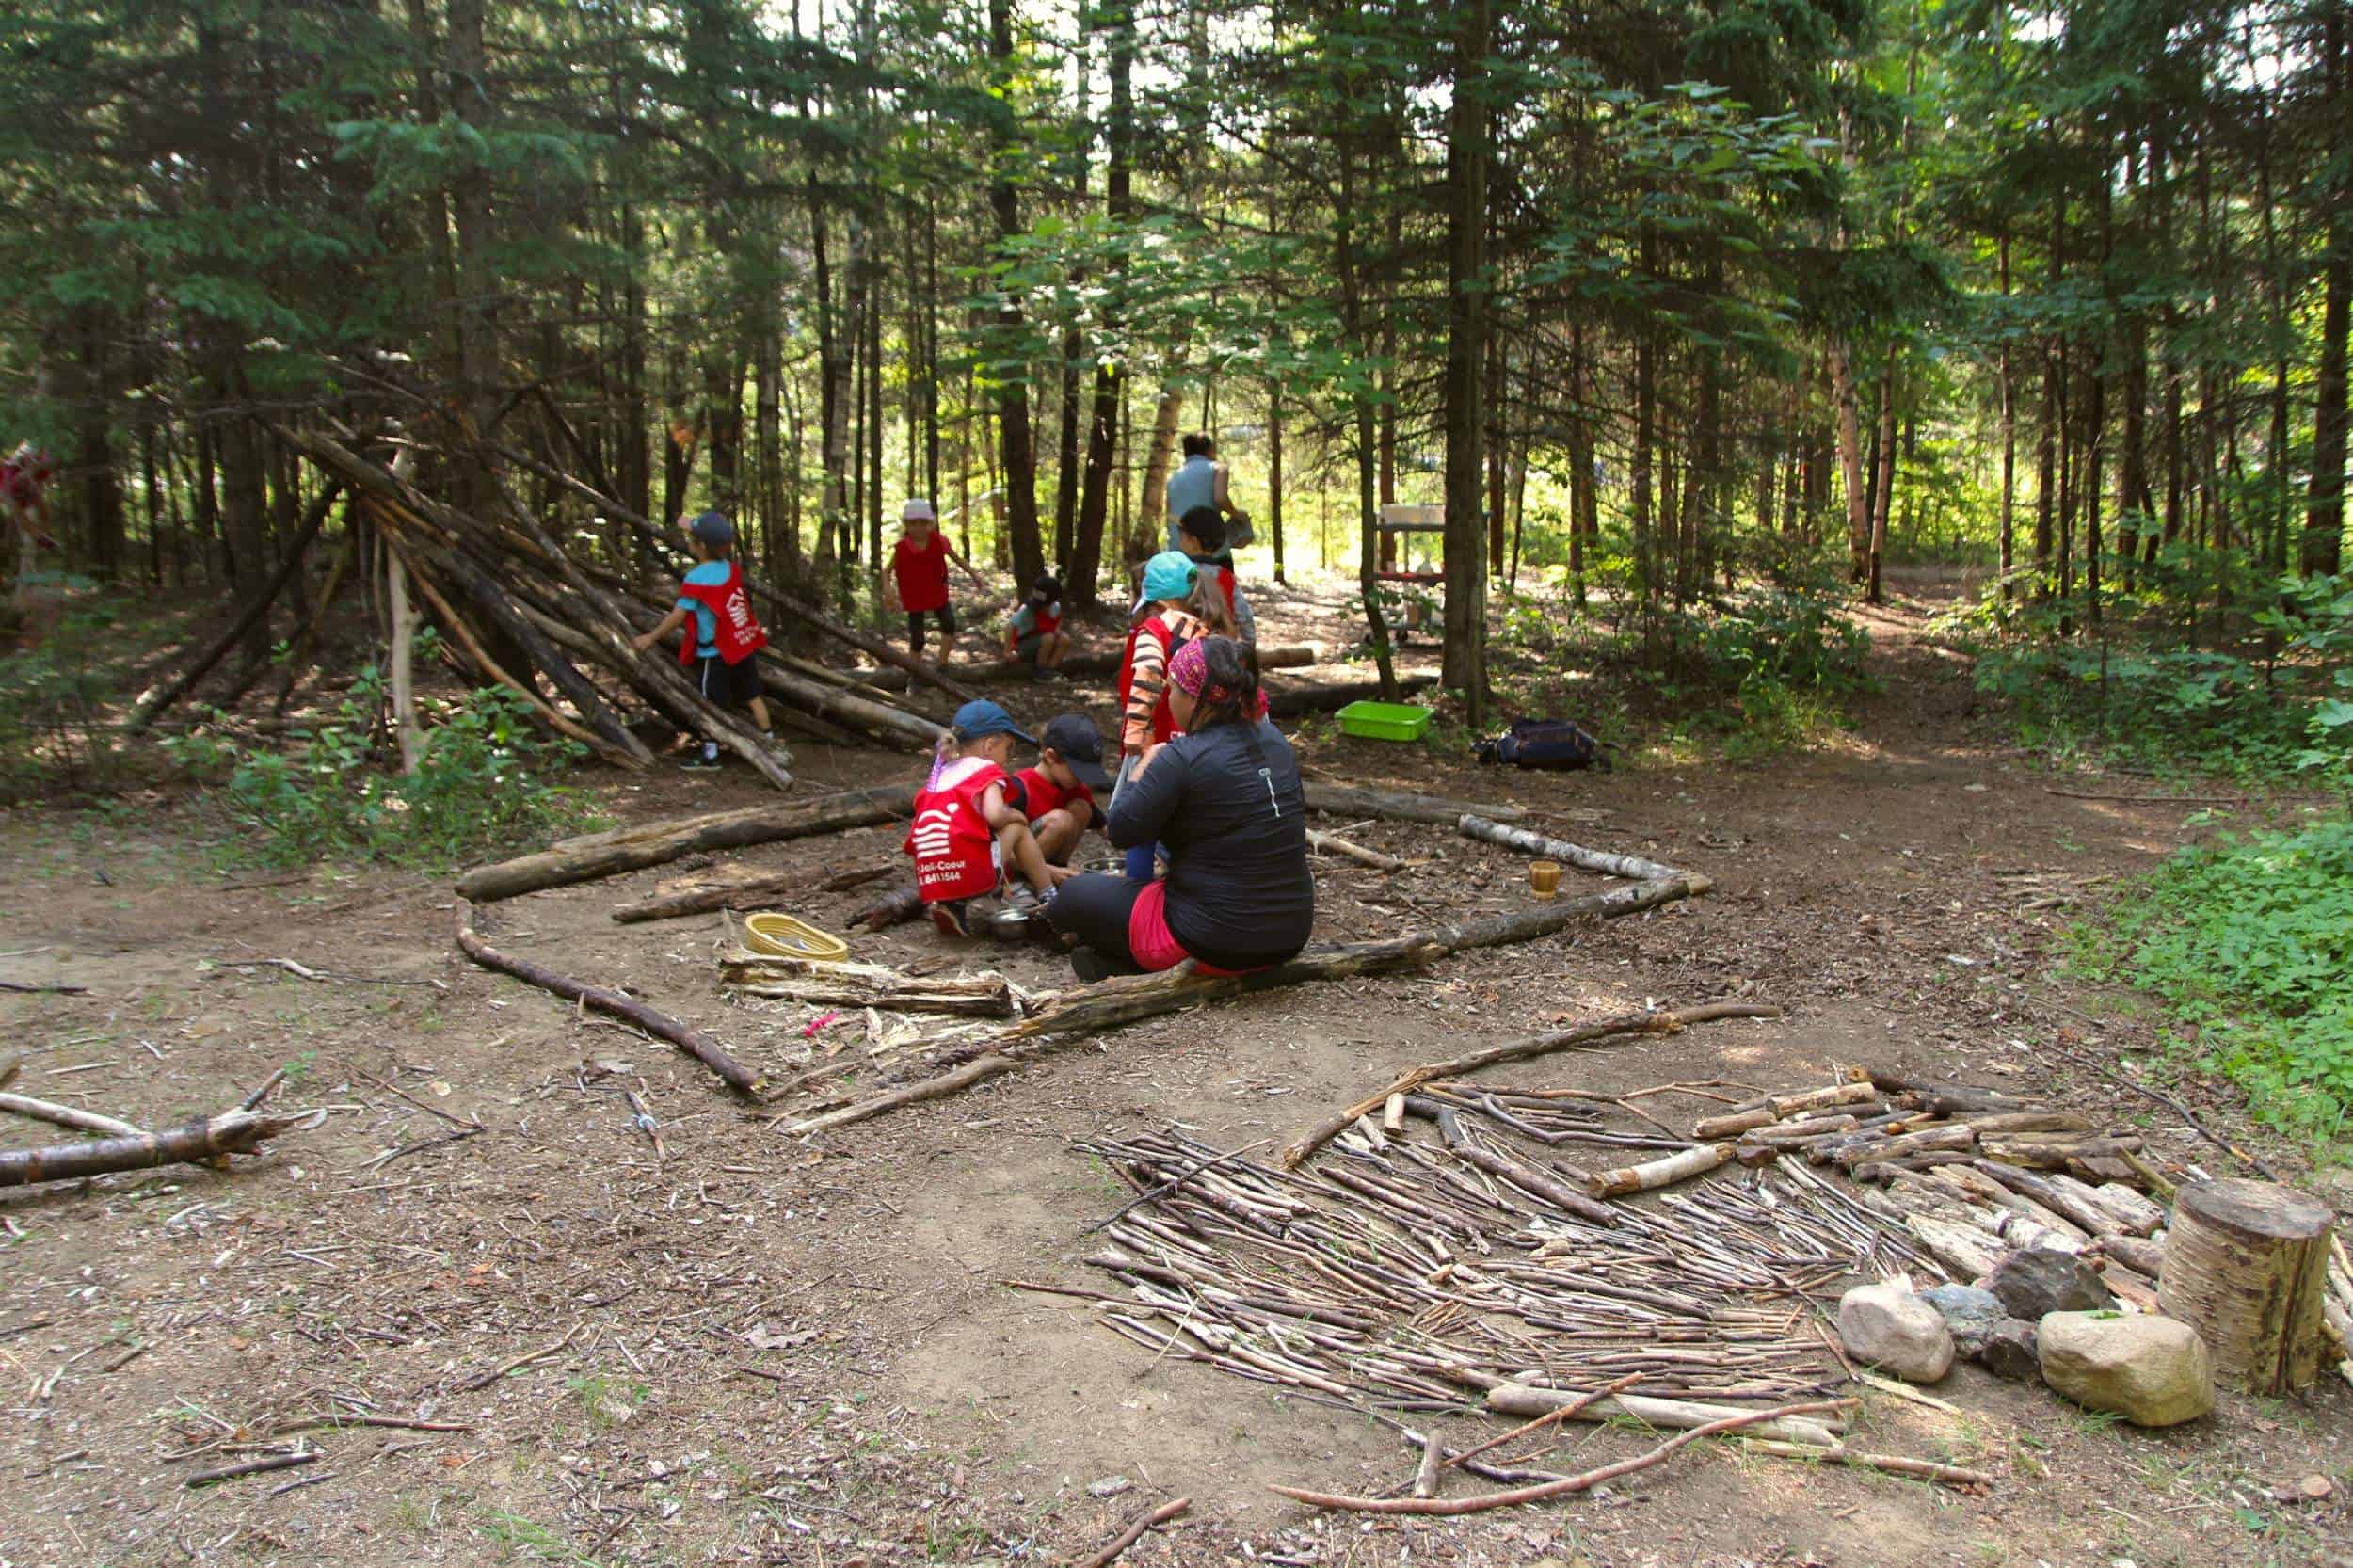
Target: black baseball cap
1046,589
1073,737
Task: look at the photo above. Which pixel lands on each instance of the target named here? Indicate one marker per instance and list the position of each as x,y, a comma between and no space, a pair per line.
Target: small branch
67,1115
254,1466
1173,1183
483,1379
1134,1532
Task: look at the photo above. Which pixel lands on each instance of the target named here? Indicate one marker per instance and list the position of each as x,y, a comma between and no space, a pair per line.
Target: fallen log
1651,1021
231,1132
1542,1491
67,1115
1653,1174
1527,1400
2141,1256
1329,843
694,1042
987,996
629,849
1472,825
2040,1152
1089,1009
577,688
1277,656
1346,800
742,888
839,706
2089,1218
1286,702
891,909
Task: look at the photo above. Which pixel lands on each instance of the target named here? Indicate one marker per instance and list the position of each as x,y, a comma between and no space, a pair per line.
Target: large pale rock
1889,1326
2032,1285
2152,1371
1969,1314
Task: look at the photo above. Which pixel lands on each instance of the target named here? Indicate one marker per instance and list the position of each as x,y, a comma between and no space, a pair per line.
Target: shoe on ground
951,916
699,763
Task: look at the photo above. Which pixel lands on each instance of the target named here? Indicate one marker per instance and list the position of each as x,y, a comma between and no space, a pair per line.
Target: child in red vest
919,577
970,825
720,653
1063,795
1034,635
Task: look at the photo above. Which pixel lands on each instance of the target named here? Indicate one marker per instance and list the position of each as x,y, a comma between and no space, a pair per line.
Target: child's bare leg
1021,852
760,714
1057,835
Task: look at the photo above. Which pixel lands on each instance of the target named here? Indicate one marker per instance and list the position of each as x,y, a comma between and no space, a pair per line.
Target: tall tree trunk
2009,436
2324,508
1274,476
1347,264
1884,488
1111,374
1148,531
477,281
1467,157
1583,504
1850,461
1013,394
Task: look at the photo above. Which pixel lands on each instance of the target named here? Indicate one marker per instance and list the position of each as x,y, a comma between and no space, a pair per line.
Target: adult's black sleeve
1150,799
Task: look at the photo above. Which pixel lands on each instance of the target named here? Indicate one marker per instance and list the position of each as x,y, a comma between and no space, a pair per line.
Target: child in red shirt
970,828
919,577
1062,796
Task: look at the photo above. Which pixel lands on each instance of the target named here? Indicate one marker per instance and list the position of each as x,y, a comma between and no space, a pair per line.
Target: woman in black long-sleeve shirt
1225,800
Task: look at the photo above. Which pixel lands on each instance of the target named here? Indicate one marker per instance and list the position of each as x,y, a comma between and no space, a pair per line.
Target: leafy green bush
55,731
2251,942
2274,703
479,785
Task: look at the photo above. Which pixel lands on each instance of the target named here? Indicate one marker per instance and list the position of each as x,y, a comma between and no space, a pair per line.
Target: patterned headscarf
1189,670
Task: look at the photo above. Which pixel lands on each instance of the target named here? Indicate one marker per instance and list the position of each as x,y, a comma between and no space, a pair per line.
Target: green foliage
479,785
55,731
2273,705
2251,942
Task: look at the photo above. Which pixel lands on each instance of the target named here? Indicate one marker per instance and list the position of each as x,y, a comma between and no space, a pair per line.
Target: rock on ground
1969,1314
2152,1371
2009,1351
1889,1326
2037,1282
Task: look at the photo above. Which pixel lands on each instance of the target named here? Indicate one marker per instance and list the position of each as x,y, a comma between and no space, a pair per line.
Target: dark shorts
945,615
1026,648
728,685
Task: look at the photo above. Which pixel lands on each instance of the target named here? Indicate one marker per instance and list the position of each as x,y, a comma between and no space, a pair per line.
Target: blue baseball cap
712,528
979,720
1168,575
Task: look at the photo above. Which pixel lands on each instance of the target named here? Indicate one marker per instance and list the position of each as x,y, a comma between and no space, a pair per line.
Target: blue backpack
1556,744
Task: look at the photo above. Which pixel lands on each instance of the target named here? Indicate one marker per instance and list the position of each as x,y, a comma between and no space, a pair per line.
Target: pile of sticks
1970,1173
1463,1268
521,610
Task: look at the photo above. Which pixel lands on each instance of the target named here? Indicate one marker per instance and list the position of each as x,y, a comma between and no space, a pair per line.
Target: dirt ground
752,1349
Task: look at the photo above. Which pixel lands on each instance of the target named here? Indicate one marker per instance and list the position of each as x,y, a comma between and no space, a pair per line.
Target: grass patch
2249,943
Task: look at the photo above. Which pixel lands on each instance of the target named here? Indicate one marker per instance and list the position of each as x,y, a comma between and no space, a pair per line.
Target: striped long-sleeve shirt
1143,678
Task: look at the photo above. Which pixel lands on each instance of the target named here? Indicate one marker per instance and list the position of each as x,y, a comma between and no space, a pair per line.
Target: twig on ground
254,1466
1134,1532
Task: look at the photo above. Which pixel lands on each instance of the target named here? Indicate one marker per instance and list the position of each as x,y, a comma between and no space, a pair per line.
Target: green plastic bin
1384,721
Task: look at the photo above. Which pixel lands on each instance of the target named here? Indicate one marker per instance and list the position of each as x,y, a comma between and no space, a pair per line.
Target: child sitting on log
727,637
1034,635
1063,795
968,827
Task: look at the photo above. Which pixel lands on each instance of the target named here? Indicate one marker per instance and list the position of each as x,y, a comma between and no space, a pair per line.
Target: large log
1346,800
1088,1010
2245,1265
1285,702
1538,844
232,1132
742,888
694,1042
629,849
577,688
896,725
1106,662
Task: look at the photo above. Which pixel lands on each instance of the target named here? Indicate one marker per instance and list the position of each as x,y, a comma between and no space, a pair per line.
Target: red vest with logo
954,849
739,631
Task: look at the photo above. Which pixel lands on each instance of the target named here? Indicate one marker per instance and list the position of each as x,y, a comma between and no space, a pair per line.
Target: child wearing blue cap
970,825
727,635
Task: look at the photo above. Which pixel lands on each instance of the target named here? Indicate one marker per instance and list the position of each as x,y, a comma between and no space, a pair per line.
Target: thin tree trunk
1466,540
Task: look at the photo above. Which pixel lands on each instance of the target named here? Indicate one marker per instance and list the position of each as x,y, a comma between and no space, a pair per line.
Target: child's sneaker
950,917
700,762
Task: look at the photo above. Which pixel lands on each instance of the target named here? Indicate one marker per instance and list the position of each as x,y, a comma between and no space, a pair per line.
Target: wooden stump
2244,1265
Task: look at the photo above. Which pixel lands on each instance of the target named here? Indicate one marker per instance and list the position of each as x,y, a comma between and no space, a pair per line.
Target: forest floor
765,1351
